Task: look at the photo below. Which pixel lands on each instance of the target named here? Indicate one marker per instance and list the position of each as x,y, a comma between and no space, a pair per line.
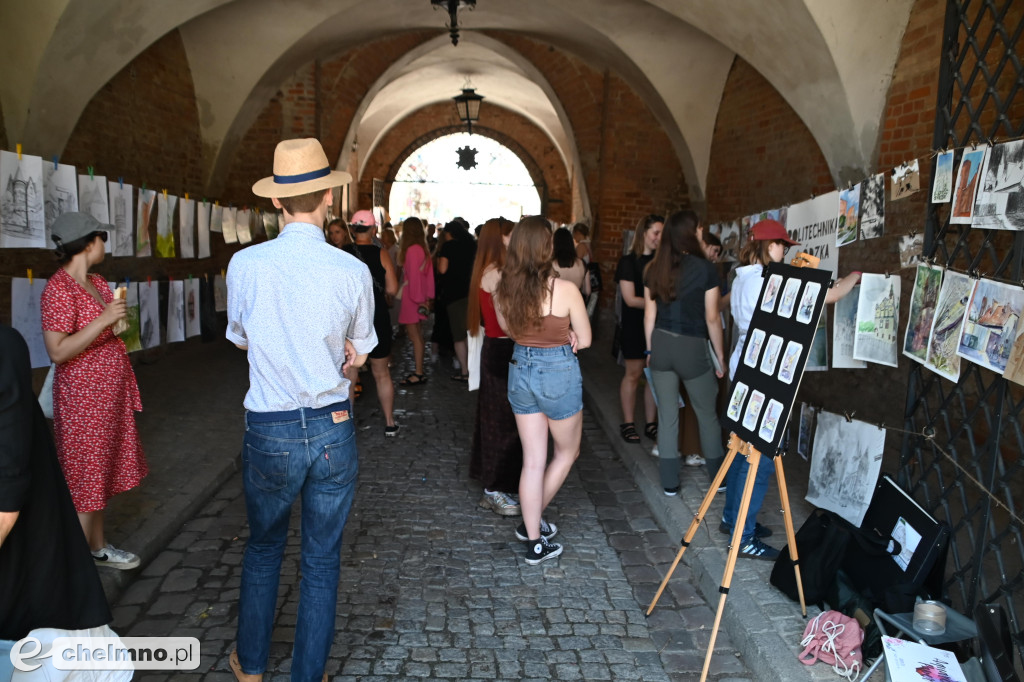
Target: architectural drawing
242,219
220,294
175,311
22,211
942,186
27,318
878,308
60,191
806,310
123,239
143,246
849,215
754,344
1000,204
911,249
966,188
789,293
817,357
844,329
92,199
228,225
872,207
203,229
192,327
923,300
803,440
845,466
906,179
990,324
753,410
789,360
186,228
149,314
739,394
771,293
949,315
217,218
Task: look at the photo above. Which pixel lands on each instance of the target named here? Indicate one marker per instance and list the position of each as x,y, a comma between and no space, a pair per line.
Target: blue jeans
545,380
734,493
312,452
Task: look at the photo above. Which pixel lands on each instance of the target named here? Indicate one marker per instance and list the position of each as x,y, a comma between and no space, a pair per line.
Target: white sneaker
693,461
115,558
654,451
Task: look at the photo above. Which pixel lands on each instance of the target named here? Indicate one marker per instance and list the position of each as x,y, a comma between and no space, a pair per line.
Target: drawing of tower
885,317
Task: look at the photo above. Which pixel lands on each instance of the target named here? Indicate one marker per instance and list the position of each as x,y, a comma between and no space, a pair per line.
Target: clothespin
149,280
127,281
55,164
190,276
120,181
849,416
143,187
91,177
888,274
223,272
165,195
186,196
216,203
18,147
29,274
169,278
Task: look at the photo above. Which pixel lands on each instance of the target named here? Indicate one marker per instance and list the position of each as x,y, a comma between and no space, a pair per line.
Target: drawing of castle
21,197
886,317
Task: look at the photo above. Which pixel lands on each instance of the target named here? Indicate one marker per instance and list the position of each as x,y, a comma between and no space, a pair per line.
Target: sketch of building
942,187
60,194
121,219
990,329
1000,204
22,214
886,317
845,466
878,308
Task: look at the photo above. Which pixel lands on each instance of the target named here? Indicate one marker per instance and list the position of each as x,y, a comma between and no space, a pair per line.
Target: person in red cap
768,242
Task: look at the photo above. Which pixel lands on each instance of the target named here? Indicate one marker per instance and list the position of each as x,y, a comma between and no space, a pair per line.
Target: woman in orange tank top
547,318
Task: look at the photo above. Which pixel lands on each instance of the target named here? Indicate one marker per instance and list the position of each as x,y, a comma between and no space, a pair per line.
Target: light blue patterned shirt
293,301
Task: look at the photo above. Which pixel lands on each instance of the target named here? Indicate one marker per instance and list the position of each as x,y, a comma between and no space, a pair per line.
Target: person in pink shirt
417,292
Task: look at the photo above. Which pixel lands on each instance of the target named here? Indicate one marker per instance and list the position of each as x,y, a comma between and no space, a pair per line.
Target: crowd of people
520,293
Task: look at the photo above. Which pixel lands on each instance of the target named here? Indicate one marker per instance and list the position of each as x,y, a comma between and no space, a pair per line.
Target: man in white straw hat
302,309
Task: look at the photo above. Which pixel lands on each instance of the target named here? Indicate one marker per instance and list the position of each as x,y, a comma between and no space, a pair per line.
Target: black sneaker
391,431
759,530
541,550
755,549
547,531
672,492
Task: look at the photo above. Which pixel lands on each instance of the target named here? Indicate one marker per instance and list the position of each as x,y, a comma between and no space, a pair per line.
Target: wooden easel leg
753,459
787,518
734,445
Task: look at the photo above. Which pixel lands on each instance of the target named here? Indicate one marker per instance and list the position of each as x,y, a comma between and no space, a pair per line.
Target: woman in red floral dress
94,388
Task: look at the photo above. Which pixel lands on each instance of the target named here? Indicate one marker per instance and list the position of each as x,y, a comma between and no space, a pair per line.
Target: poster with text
203,229
849,215
175,311
814,223
878,316
60,190
844,329
242,219
186,228
121,215
942,186
191,307
923,301
872,207
147,200
27,318
965,190
845,466
990,324
22,209
1000,204
166,203
93,199
906,180
228,225
949,316
149,314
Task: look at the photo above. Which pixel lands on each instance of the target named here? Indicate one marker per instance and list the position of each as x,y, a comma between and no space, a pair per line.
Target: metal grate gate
976,424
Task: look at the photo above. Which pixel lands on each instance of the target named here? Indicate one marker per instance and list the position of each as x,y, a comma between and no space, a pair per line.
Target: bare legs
385,389
627,393
415,335
92,526
462,354
538,483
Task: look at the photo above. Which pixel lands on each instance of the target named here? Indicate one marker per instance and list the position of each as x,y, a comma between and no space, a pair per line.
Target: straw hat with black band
300,167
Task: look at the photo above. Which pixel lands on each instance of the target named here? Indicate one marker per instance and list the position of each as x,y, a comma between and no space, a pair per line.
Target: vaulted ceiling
831,61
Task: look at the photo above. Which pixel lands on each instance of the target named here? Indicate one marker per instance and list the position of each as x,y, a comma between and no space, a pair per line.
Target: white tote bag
474,346
46,395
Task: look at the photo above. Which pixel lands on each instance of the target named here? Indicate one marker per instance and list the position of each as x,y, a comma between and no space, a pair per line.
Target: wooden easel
753,455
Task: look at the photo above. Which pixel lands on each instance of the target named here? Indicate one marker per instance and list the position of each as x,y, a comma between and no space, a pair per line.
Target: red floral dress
94,395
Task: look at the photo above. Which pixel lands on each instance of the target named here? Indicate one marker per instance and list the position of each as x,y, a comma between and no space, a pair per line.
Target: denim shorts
545,380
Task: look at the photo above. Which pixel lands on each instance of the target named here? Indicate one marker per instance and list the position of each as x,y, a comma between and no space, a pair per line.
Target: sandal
460,377
413,379
651,430
628,432
358,390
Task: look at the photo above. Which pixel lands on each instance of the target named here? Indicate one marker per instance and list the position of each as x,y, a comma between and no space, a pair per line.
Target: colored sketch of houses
945,335
878,309
923,301
990,325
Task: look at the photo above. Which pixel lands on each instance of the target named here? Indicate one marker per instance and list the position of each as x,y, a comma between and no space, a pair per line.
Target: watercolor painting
1015,365
26,316
966,188
228,225
789,360
1000,204
149,314
789,293
849,215
754,343
60,191
166,204
990,324
942,186
739,394
771,355
817,356
753,410
771,293
22,202
175,311
807,301
203,229
923,301
147,198
93,199
911,250
192,327
132,334
872,207
121,217
878,315
949,315
845,466
844,329
770,421
186,228
906,180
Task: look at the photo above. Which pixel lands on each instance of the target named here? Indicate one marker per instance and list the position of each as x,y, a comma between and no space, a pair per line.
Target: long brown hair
645,223
677,239
755,252
524,279
412,233
490,250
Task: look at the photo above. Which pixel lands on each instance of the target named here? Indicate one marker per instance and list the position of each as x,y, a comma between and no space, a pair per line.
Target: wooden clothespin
18,148
29,274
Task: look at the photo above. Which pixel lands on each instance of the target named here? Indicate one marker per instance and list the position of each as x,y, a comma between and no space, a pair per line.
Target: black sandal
651,430
460,377
408,381
628,432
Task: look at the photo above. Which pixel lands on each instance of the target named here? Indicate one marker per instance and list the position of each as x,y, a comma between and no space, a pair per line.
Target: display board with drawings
775,353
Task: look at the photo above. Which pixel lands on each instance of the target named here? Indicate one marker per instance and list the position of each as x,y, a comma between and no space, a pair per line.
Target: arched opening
430,184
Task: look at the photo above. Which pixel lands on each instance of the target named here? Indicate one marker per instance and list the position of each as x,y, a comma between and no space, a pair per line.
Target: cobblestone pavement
434,587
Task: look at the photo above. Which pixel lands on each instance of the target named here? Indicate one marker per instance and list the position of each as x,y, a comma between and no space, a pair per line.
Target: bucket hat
68,227
300,167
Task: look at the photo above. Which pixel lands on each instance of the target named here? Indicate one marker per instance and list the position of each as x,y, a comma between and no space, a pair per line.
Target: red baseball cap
771,230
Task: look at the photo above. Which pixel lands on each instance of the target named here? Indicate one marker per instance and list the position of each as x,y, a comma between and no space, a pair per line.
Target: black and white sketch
242,221
217,218
844,329
60,189
22,211
872,207
845,466
220,294
803,439
186,228
192,327
942,186
121,215
203,229
149,314
1000,204
147,200
93,199
26,316
228,216
175,311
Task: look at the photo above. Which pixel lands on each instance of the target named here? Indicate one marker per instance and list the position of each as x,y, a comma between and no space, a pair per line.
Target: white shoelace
832,630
